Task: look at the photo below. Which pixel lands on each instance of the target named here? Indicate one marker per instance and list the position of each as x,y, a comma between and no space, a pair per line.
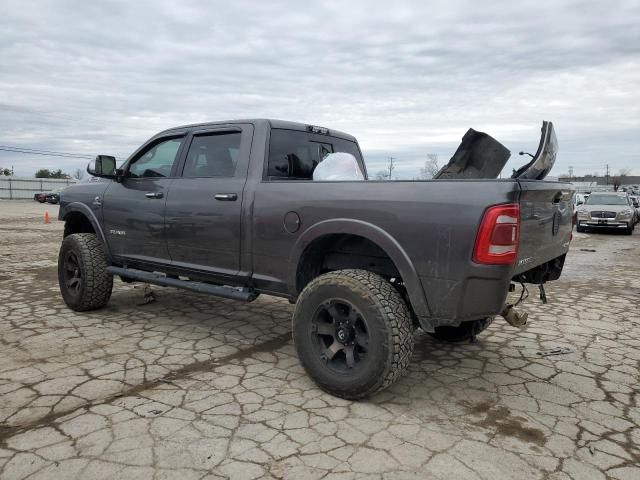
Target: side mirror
102,166
580,203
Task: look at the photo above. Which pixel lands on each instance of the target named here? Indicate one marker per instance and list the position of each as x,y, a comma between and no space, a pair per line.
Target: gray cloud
405,78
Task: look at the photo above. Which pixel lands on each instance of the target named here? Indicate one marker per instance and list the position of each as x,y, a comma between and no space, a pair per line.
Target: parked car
607,210
578,199
635,201
40,197
237,209
53,197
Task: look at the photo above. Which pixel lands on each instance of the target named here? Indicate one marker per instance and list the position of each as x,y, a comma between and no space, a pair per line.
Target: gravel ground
197,387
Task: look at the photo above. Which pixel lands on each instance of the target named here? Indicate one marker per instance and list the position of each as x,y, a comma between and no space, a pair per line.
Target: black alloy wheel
72,273
341,335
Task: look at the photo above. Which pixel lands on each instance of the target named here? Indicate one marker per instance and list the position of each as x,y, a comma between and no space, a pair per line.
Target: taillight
498,235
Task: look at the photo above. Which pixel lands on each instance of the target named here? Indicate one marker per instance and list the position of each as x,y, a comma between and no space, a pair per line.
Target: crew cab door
133,209
204,205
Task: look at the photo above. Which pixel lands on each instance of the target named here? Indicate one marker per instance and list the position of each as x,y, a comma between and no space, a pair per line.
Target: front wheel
353,333
84,281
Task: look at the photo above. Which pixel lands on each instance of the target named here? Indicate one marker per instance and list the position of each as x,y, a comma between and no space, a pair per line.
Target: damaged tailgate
546,214
479,155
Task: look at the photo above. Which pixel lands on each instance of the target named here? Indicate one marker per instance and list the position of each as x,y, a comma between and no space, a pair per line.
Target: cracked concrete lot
195,387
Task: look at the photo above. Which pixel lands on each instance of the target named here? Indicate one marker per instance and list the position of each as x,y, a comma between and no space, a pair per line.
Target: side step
235,293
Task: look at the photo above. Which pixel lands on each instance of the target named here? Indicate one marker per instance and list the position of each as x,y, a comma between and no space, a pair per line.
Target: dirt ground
196,387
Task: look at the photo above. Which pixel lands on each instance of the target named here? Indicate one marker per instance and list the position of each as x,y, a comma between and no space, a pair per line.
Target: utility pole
570,172
391,159
607,174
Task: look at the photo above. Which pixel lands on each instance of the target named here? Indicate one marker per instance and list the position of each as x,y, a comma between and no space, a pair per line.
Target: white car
607,210
635,201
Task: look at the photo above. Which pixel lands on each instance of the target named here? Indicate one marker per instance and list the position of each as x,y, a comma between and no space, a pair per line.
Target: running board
235,293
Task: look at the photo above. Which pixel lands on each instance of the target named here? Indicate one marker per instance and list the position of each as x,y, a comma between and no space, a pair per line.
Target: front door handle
154,195
226,197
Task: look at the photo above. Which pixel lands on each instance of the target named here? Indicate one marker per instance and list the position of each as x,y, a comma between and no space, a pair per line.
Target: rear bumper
455,301
481,296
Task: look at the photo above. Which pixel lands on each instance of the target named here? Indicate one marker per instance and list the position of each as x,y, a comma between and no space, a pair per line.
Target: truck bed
433,226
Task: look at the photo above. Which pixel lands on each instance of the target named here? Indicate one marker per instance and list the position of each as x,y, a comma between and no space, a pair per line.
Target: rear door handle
226,197
154,195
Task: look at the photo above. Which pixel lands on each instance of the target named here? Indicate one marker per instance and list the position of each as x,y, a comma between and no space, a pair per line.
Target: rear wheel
464,331
84,281
353,333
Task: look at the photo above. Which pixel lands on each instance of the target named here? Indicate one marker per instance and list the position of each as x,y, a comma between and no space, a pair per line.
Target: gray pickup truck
236,209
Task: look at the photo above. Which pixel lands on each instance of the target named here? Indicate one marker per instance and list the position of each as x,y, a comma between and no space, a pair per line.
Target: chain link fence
15,188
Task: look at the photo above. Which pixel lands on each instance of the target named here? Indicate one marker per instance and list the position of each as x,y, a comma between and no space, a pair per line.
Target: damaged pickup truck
249,207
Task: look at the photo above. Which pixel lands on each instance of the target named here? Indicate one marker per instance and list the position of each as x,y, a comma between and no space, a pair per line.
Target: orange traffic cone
46,217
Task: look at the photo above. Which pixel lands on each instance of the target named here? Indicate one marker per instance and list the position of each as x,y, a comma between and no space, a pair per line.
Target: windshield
606,200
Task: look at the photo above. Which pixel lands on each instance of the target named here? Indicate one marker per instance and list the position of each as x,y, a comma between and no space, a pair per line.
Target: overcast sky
406,78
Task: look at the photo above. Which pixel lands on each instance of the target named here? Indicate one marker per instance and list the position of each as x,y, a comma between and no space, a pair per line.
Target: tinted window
295,155
213,155
157,160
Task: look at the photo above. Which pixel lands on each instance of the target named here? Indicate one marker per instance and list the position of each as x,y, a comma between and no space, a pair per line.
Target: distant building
591,180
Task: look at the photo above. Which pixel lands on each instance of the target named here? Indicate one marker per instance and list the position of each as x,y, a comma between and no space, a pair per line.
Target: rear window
213,155
295,155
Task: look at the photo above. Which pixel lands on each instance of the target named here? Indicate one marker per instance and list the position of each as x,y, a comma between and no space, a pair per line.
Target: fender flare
88,213
374,234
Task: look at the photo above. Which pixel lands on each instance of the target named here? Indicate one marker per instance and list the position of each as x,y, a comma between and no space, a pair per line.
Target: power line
50,153
40,150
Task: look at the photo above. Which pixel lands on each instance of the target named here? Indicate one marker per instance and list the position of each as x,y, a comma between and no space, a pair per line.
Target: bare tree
430,168
78,174
623,172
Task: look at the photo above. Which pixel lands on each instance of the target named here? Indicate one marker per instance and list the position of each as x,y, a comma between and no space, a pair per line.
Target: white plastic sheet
339,166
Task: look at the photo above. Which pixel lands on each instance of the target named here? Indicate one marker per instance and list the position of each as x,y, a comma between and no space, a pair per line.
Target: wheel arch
314,236
79,218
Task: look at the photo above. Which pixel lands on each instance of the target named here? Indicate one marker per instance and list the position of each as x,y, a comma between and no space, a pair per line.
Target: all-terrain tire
463,332
84,281
378,306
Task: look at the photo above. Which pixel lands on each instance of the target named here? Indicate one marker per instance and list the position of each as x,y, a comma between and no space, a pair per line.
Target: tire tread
98,282
394,311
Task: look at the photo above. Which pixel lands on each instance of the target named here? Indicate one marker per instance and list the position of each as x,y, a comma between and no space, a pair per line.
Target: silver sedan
607,210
